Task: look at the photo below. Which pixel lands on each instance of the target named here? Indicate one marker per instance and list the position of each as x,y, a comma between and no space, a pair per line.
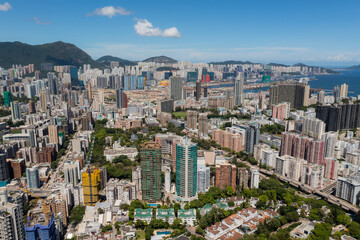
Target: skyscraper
344,116
4,168
121,99
43,101
239,89
203,178
15,111
252,134
175,86
151,171
7,98
52,83
53,134
198,90
321,97
91,181
186,168
191,121
32,177
336,93
32,107
243,178
225,175
296,94
254,178
203,124
344,90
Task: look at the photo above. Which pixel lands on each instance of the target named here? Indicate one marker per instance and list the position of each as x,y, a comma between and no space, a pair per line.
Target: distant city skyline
315,33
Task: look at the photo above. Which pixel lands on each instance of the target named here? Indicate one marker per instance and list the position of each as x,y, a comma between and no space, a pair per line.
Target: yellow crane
45,210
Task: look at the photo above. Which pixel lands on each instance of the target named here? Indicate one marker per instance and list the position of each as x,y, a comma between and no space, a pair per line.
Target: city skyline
319,33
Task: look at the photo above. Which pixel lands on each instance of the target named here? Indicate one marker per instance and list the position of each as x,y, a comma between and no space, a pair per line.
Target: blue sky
288,31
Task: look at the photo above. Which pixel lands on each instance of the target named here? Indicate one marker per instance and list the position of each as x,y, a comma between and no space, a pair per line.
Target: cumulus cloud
5,7
145,28
37,21
109,11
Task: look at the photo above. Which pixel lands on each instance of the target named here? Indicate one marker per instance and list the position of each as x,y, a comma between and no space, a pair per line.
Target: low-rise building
167,215
188,217
143,214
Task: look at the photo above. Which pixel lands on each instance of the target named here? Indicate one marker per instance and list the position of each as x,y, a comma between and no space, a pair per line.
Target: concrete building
313,127
225,175
53,134
254,178
32,177
242,178
203,178
281,111
239,89
295,94
151,185
349,188
186,169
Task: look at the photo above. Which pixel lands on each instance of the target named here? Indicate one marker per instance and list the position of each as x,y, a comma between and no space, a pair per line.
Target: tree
107,228
292,216
77,214
100,211
231,203
343,219
316,214
354,230
322,231
176,224
148,232
200,231
140,224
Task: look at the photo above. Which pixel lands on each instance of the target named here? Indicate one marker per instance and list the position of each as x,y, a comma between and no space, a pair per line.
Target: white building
254,178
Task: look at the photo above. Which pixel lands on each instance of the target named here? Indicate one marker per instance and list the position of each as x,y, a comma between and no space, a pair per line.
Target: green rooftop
207,206
165,213
183,213
143,213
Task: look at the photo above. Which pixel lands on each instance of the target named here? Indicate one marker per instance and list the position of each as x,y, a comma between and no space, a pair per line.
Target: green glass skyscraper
7,98
186,169
151,171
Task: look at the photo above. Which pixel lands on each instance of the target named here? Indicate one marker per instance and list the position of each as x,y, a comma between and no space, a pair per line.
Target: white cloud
5,7
339,58
145,28
37,21
109,11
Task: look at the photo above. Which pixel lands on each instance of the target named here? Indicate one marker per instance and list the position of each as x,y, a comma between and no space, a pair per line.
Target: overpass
308,189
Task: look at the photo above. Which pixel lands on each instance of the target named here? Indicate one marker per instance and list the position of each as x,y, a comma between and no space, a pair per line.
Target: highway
330,198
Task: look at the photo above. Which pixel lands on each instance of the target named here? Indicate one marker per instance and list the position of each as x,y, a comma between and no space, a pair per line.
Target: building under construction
91,181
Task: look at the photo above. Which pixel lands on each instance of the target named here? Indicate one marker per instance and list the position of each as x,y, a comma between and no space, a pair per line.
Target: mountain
355,67
58,53
105,60
161,59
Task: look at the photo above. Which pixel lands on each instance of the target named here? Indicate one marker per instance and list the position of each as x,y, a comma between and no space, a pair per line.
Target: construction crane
38,198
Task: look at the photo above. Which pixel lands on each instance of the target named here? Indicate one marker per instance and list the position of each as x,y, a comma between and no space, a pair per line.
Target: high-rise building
175,86
242,178
46,155
18,167
15,111
331,168
121,99
349,188
12,222
53,134
281,111
43,101
192,76
186,169
32,177
203,124
203,178
91,181
52,83
303,147
252,132
295,94
282,165
7,98
321,97
344,90
345,116
254,178
268,157
336,93
32,107
4,168
239,89
225,175
191,121
205,91
330,139
313,127
198,90
151,171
